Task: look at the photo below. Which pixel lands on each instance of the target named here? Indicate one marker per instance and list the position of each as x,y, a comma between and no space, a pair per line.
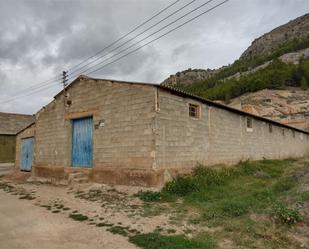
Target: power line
159,30
42,84
127,54
139,34
30,93
177,27
31,88
126,35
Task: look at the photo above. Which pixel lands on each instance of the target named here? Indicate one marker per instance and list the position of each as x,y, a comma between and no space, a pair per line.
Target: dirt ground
25,226
82,216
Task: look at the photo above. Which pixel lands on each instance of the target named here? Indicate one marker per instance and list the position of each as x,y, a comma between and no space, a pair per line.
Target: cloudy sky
39,39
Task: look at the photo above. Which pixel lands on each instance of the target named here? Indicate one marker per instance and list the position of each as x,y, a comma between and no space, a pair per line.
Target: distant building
10,124
128,133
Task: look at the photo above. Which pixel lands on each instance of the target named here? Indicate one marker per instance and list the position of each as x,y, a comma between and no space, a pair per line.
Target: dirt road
25,226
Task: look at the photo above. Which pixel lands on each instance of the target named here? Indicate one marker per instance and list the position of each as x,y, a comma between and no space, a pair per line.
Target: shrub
149,196
207,176
286,215
78,217
234,207
181,186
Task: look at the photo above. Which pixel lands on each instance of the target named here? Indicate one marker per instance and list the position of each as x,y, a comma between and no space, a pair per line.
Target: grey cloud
39,39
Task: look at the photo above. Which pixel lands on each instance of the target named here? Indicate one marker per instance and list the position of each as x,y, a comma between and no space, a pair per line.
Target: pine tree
303,84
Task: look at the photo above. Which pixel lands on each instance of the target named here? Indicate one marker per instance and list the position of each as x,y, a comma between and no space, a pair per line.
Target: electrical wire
131,39
159,30
170,31
42,84
126,35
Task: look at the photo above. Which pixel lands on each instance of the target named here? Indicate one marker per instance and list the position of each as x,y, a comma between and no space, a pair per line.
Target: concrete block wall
148,134
181,141
125,141
218,136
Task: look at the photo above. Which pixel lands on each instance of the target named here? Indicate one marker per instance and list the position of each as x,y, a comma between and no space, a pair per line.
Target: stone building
143,134
10,124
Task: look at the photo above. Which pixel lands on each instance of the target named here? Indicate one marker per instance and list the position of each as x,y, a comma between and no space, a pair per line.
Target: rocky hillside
289,106
295,29
189,76
276,43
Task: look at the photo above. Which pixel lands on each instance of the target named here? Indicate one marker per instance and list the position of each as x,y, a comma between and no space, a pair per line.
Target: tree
303,84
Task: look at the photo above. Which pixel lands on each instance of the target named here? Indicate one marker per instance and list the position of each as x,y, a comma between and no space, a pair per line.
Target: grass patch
78,217
156,240
241,200
118,230
233,191
104,224
149,196
26,197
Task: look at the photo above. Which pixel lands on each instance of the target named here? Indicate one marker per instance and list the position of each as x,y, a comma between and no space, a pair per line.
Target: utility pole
64,83
64,79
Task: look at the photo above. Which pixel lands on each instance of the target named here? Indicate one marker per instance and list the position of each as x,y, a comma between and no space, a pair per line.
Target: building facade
10,124
143,134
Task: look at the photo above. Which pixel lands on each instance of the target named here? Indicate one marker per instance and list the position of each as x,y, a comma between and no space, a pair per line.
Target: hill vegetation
276,75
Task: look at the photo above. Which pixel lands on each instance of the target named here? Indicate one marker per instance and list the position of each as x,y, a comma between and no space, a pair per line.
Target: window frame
196,112
249,124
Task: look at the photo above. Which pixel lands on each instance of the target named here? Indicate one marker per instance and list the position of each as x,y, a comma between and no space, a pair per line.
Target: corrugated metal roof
182,93
12,123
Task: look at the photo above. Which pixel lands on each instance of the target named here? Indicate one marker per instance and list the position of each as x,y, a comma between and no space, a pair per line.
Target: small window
293,132
270,128
249,123
194,111
283,132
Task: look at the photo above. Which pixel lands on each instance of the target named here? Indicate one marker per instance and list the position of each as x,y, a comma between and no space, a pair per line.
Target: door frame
72,142
21,155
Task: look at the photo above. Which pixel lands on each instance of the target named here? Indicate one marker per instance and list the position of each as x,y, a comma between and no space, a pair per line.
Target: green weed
156,240
286,215
78,217
149,196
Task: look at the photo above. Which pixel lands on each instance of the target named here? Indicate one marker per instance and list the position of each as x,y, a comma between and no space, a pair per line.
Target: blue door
26,154
82,142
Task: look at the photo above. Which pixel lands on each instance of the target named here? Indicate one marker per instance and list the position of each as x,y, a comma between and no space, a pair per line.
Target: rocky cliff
295,29
267,43
289,106
189,76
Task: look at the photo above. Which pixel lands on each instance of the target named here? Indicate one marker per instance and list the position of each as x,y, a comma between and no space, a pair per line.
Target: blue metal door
26,154
82,142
